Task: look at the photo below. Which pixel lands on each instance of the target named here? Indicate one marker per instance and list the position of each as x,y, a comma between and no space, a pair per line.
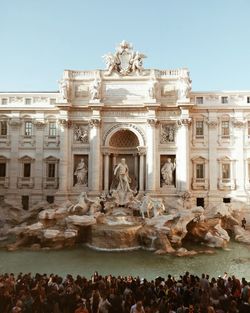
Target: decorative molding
15,123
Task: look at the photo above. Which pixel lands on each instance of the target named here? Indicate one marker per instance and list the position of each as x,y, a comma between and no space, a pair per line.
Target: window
26,169
224,100
50,199
225,171
25,202
226,200
200,202
200,171
4,101
199,130
52,129
28,128
248,99
3,128
52,101
27,101
51,170
199,100
225,128
2,169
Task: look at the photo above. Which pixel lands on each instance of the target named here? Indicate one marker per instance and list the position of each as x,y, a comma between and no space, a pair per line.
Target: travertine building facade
146,116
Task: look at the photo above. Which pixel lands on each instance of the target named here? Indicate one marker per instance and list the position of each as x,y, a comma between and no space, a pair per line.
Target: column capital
186,121
153,122
141,150
95,123
39,124
212,123
65,123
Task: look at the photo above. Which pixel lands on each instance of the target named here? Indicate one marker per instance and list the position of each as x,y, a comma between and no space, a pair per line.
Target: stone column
114,161
238,154
141,174
151,160
106,171
182,157
64,160
38,164
95,160
13,166
212,154
135,155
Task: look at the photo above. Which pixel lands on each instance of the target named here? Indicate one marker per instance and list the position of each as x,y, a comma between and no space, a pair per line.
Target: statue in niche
167,172
94,89
81,134
168,134
184,87
122,176
81,173
63,88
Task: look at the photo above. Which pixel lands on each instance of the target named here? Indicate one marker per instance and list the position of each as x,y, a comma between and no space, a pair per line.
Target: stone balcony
50,182
226,184
4,141
27,141
25,182
51,141
4,182
200,183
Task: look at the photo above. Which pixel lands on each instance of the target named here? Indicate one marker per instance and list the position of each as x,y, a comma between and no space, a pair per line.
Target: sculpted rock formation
103,224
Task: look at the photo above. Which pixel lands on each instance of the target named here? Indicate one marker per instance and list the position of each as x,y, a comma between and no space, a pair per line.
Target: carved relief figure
152,89
168,134
94,89
63,88
122,175
81,134
81,173
167,172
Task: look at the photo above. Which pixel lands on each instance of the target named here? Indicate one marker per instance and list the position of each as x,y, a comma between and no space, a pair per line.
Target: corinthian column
95,160
151,155
182,157
106,171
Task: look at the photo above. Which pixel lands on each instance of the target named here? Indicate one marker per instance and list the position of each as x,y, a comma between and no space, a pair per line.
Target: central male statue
121,172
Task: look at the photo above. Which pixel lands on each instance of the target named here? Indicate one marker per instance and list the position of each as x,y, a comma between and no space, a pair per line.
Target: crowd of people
189,293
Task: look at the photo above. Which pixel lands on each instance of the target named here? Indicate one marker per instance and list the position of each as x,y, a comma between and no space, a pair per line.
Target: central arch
124,141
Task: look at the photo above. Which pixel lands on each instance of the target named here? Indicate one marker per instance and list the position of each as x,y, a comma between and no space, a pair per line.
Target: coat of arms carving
125,60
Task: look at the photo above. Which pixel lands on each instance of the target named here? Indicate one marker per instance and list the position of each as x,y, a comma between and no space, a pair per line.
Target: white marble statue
94,89
137,62
184,87
167,172
81,173
122,175
112,62
63,88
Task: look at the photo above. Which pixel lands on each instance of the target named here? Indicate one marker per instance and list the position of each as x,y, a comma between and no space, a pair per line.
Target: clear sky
41,38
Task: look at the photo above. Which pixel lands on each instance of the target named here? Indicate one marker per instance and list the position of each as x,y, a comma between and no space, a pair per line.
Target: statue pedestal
168,189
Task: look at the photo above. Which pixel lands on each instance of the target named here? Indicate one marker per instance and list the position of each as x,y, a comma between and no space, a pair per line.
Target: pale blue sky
41,38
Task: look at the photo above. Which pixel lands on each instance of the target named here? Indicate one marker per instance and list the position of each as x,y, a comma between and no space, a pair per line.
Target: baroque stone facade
56,144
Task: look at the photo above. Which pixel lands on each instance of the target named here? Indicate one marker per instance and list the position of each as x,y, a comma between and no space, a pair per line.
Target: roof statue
125,60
